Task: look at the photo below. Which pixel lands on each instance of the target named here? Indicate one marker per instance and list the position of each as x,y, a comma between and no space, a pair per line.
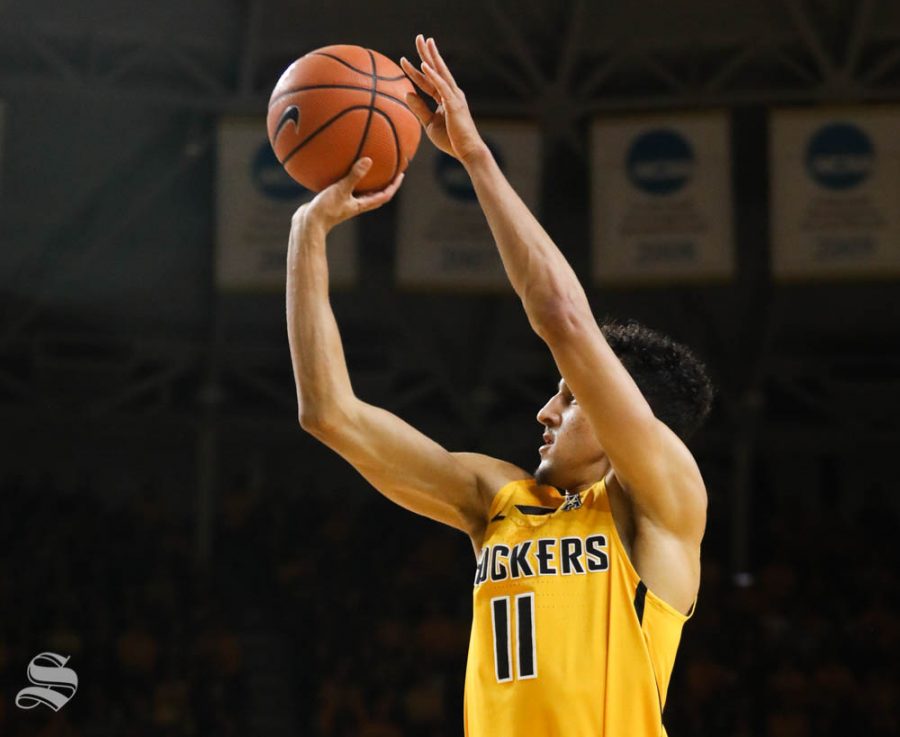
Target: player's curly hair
672,379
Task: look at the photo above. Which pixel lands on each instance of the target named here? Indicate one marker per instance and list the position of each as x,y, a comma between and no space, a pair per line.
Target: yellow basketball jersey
566,639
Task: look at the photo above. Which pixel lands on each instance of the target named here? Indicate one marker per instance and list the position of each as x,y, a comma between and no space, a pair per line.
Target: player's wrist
311,223
475,156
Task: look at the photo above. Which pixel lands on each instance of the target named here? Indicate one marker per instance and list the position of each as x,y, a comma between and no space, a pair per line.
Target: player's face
571,455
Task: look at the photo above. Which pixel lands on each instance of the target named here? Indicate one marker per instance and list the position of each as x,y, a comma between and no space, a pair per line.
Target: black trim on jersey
639,597
528,509
497,517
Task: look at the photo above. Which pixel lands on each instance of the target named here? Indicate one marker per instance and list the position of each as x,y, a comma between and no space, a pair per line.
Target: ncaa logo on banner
660,162
54,685
840,156
454,179
271,179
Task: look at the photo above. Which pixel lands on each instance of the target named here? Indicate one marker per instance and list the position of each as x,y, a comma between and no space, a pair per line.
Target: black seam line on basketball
383,78
338,87
396,138
318,130
365,133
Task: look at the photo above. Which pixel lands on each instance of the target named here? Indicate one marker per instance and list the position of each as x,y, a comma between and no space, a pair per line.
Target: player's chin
543,474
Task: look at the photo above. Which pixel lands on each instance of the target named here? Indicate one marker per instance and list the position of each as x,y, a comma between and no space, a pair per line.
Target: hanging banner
835,189
2,134
443,239
661,201
255,200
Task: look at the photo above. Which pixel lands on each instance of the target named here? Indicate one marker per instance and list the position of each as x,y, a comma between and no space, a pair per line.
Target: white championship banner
255,200
835,193
661,204
443,240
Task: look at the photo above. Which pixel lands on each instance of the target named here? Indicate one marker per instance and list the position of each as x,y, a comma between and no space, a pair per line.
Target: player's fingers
418,79
394,186
422,48
437,61
357,172
419,108
377,199
427,55
415,75
443,88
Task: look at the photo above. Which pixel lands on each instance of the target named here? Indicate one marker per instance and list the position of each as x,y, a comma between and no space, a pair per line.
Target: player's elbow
316,422
309,421
560,318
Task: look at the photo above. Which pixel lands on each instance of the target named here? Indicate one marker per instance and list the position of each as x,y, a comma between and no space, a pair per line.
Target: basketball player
587,570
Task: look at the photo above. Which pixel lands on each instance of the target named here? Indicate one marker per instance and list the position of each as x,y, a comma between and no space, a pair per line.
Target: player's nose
547,415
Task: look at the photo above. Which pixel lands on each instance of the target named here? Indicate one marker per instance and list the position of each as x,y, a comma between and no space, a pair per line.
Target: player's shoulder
492,473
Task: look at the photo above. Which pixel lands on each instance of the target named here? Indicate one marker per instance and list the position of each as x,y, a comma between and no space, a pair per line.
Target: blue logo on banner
840,156
660,162
270,177
454,179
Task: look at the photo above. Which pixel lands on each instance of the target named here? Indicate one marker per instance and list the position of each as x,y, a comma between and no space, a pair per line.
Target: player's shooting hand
337,203
450,127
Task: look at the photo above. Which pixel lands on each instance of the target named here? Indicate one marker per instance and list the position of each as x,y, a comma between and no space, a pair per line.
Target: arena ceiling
513,55
106,201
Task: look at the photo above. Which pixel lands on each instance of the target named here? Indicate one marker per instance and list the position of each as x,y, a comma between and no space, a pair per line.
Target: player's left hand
450,127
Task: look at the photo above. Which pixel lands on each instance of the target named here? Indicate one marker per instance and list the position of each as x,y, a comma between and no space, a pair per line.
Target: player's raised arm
401,462
648,458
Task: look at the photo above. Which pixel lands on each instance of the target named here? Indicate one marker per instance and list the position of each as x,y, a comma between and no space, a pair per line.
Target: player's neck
591,476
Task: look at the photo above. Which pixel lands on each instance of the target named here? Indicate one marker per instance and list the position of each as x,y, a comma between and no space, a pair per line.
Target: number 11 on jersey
526,654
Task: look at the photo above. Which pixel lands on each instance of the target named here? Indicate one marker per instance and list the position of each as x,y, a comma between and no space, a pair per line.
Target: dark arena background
728,173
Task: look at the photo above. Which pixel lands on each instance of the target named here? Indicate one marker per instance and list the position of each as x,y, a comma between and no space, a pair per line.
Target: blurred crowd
807,646
811,647
373,604
113,587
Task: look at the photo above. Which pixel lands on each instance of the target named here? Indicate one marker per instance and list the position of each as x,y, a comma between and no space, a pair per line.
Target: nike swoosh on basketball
291,113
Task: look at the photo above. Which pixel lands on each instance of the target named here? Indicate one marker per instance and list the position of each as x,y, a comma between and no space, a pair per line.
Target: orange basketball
335,105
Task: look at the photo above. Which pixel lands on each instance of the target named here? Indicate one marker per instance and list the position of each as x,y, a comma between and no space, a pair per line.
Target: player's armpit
492,473
413,470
